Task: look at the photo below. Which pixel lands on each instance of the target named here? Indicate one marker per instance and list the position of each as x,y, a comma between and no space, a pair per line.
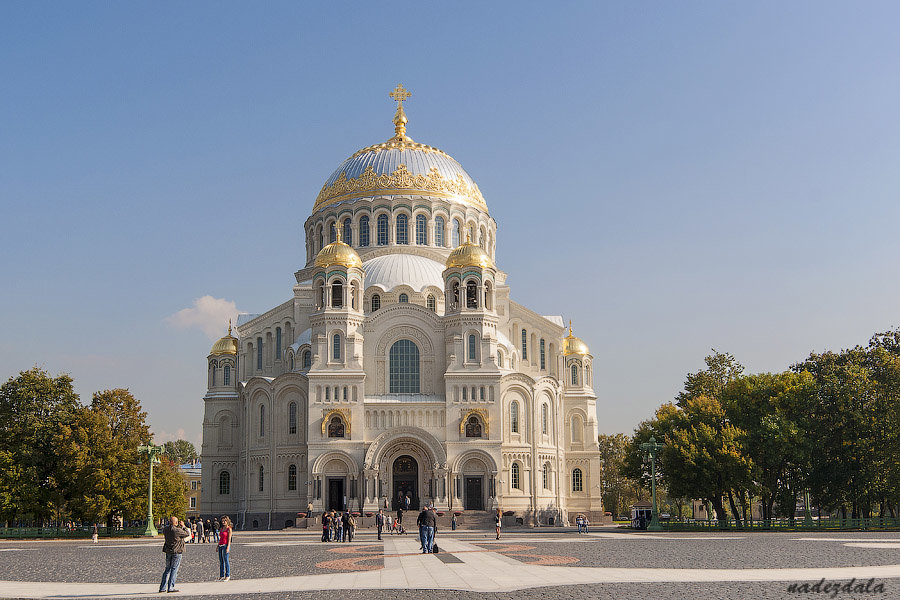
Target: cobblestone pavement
291,564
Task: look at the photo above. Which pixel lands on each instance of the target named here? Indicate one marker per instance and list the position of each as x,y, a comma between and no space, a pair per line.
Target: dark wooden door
474,499
336,494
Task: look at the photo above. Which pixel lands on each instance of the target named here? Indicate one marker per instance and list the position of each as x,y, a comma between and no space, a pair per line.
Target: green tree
169,490
721,367
619,491
33,408
180,451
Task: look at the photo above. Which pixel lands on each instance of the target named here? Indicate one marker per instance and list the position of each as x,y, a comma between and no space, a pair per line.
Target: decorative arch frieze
380,446
485,457
341,413
323,459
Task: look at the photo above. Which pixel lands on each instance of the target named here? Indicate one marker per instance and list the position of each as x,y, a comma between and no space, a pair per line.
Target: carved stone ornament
342,413
476,412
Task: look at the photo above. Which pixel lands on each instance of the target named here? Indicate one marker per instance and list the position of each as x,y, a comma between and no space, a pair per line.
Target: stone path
474,568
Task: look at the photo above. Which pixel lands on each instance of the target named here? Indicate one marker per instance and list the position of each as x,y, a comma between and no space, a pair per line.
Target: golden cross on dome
400,94
229,326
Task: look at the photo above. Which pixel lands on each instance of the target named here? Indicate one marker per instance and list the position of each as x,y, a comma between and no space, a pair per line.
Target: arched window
259,354
320,238
577,480
430,303
481,393
488,297
455,294
262,478
364,231
307,359
336,428
262,420
473,427
227,375
465,394
500,359
472,344
404,368
545,418
574,374
402,229
337,294
471,295
524,344
514,417
382,230
439,232
546,476
543,356
327,393
336,348
332,234
292,478
278,343
292,418
376,302
456,232
515,478
404,299
224,483
471,233
421,230
347,233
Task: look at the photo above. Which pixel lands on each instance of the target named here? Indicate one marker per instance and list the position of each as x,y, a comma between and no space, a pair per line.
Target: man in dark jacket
173,548
427,521
379,522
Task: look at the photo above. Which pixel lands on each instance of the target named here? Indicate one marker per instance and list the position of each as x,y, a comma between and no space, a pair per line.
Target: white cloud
161,437
208,314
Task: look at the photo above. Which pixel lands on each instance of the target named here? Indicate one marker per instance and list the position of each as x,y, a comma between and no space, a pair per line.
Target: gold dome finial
468,254
226,344
400,94
338,253
229,326
573,345
570,327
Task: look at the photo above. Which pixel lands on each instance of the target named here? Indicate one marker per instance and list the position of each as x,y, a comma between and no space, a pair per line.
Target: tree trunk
734,509
719,509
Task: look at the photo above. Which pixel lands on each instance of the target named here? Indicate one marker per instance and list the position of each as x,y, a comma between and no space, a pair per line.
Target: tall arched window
546,476
577,430
227,375
307,359
421,230
337,294
292,478
499,359
259,354
404,368
472,344
403,299
577,480
347,233
376,302
514,417
336,348
278,343
332,235
456,232
402,229
224,483
292,418
262,478
471,294
262,420
382,230
515,480
524,344
439,232
430,303
364,231
545,419
320,238
574,374
543,356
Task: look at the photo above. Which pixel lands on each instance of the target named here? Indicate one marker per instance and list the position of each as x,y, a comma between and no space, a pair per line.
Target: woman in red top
225,534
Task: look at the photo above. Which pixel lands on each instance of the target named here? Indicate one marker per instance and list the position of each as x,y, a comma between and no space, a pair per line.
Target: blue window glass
292,418
472,348
439,231
524,345
403,299
259,353
402,229
336,347
421,230
347,233
404,368
382,230
364,231
307,359
332,236
543,356
574,374
278,343
227,375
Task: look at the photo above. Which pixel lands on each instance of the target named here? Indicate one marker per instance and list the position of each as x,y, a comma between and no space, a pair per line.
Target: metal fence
68,532
798,524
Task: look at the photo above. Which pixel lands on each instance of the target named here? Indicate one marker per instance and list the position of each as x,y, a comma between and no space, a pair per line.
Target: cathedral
400,370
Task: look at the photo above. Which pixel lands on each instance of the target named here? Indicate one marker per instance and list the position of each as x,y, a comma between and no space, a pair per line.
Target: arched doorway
405,475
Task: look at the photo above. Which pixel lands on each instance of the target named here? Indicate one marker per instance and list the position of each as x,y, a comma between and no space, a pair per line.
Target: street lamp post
652,449
152,453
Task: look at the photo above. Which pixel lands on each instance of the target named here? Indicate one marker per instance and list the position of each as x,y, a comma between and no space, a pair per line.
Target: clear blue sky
671,176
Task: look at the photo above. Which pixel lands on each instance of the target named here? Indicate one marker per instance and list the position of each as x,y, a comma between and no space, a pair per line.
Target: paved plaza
524,564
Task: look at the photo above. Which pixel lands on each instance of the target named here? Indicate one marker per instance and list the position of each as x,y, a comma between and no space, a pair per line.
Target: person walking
379,522
326,525
352,524
225,535
200,531
309,511
173,548
399,520
345,527
338,527
498,522
453,522
95,536
427,522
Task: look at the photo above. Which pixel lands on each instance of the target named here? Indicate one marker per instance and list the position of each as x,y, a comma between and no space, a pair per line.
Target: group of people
203,531
176,532
582,522
387,522
338,526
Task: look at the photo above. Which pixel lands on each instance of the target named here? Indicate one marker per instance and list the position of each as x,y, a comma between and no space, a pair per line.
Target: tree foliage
180,451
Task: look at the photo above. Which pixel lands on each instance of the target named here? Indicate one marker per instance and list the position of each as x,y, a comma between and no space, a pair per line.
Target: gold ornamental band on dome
401,181
342,413
476,412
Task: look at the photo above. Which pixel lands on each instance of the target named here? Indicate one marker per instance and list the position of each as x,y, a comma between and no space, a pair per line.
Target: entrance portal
405,475
473,500
336,494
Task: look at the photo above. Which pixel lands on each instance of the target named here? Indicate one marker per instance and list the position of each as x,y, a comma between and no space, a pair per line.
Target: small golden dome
226,345
338,253
469,255
573,345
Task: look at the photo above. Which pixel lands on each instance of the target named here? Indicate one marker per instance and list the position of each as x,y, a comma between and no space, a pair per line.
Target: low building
191,473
